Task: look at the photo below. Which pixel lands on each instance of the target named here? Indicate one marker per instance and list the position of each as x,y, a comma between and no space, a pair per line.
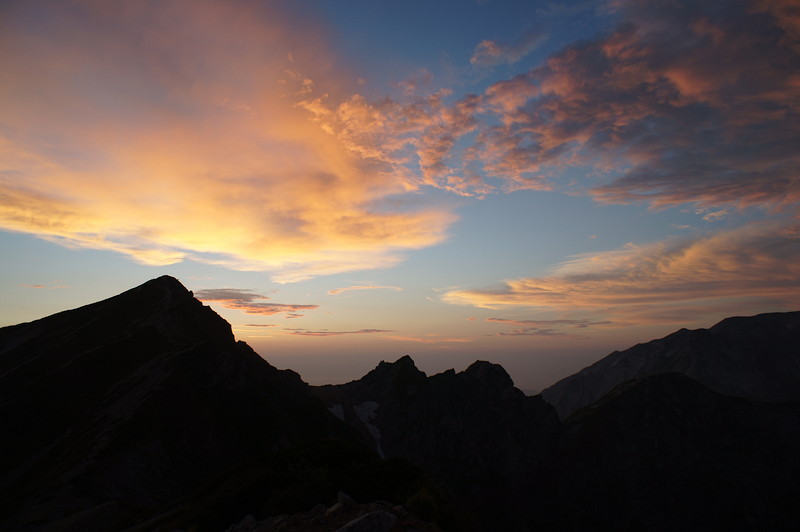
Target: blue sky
532,183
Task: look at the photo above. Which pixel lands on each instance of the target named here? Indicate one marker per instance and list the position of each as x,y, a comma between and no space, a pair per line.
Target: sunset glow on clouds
641,283
248,302
168,145
559,172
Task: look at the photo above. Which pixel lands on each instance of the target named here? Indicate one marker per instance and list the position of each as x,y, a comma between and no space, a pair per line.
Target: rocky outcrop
754,357
473,430
344,516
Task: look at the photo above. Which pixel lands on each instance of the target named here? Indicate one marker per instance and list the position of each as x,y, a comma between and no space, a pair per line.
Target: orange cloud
740,270
171,130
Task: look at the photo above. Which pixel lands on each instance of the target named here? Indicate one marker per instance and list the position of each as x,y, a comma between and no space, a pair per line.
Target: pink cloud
247,301
47,286
681,103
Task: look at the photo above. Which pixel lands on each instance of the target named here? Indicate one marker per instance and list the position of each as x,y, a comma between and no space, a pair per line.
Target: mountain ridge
142,411
755,357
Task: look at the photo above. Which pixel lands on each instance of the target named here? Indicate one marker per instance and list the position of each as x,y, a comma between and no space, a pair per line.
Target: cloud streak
545,327
169,131
337,291
248,301
666,281
304,332
578,324
428,339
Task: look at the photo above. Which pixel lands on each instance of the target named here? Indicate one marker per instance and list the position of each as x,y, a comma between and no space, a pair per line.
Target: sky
533,183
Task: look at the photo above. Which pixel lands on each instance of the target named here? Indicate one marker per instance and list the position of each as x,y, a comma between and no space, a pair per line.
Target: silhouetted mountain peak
167,289
136,398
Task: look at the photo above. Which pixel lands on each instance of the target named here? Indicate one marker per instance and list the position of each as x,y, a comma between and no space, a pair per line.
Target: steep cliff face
121,406
754,357
472,429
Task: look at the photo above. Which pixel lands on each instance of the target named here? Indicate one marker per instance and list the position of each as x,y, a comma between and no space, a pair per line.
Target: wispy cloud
336,291
535,331
46,286
428,339
578,324
248,301
174,134
671,280
490,53
545,327
305,332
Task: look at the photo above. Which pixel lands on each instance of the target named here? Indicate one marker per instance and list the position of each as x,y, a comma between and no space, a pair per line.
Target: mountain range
142,412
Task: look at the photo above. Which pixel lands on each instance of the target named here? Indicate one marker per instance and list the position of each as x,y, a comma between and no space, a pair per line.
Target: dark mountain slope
472,429
754,357
118,407
142,412
667,453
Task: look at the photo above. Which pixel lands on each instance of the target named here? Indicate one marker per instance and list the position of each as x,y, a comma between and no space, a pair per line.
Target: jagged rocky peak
400,378
488,374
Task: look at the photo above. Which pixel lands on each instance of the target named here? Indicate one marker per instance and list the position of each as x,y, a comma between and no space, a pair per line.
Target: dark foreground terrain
142,412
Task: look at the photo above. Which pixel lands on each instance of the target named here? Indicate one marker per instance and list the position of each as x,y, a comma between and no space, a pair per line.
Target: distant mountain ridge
755,357
142,412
